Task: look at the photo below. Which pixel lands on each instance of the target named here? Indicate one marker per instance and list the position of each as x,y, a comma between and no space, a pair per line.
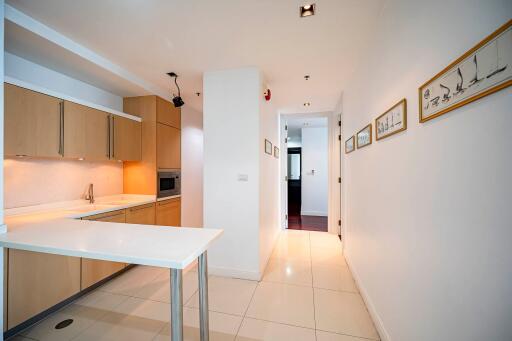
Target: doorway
307,173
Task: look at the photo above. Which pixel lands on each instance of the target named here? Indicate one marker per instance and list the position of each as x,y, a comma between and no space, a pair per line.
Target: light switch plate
243,177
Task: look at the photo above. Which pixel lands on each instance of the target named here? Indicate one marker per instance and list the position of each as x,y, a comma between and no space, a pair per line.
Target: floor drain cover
63,324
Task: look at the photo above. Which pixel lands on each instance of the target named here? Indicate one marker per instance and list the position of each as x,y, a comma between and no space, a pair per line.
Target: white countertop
53,230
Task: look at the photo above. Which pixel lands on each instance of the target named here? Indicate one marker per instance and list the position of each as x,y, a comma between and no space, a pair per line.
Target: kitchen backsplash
34,181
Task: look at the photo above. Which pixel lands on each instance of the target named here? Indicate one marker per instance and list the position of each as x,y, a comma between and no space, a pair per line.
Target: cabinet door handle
113,137
61,128
108,137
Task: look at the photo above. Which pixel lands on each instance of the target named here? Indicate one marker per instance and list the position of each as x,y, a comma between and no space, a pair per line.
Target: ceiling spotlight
178,102
307,104
198,94
307,10
306,77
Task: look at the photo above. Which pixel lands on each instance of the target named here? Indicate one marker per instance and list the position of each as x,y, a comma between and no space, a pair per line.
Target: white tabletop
56,233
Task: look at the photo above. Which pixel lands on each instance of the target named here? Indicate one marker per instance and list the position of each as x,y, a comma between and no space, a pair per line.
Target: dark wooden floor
307,222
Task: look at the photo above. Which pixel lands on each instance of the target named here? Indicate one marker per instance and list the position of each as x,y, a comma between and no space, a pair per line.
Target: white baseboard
234,273
315,213
379,325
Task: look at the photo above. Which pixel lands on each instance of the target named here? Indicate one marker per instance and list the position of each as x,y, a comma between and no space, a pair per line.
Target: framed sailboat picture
350,145
393,121
481,71
364,137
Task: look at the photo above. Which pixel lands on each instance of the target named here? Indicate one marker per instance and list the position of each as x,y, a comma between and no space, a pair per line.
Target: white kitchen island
173,248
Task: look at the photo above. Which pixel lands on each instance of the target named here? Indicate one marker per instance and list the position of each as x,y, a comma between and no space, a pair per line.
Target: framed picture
393,121
268,147
484,69
364,137
276,152
350,145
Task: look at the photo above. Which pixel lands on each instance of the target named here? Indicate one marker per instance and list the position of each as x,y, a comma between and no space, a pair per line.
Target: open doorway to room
307,151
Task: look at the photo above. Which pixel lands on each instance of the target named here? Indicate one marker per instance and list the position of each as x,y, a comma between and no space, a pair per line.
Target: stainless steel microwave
168,183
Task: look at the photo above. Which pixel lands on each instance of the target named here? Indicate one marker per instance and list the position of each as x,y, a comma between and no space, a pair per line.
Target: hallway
307,223
307,293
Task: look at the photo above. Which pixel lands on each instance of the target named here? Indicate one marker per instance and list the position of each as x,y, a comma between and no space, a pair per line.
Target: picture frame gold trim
269,152
353,138
403,102
371,137
475,97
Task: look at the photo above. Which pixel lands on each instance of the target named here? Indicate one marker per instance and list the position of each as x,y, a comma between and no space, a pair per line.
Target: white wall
30,182
269,181
232,147
428,218
30,72
191,167
314,185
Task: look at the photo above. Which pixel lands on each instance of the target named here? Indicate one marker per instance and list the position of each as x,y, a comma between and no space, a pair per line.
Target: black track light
177,100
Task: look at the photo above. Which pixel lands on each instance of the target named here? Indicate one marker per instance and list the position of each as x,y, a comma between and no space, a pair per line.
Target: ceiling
152,37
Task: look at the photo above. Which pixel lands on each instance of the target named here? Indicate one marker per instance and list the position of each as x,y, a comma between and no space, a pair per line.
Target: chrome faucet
90,194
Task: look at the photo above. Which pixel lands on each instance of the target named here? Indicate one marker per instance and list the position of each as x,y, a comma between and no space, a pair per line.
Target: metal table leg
176,305
203,297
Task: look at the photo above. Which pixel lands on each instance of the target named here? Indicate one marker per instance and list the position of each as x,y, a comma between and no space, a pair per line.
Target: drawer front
144,214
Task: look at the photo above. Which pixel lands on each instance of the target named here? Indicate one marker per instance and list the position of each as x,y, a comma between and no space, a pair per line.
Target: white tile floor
307,294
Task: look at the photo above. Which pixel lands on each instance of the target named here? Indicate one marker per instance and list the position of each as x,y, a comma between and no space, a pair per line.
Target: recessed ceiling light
307,104
307,10
306,77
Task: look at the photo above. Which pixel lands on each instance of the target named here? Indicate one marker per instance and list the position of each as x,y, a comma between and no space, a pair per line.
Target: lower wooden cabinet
94,270
144,214
168,212
38,281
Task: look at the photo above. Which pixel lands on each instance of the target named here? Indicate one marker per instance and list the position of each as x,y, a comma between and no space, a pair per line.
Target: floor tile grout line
312,283
248,305
282,323
351,335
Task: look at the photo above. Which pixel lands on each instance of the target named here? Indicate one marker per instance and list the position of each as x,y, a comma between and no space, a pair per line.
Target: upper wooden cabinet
39,125
168,147
167,114
86,132
33,123
126,139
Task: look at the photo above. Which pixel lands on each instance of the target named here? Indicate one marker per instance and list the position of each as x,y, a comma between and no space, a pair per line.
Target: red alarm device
267,94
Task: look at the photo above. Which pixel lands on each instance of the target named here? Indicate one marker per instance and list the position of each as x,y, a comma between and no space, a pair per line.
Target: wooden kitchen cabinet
126,139
86,132
168,212
168,147
144,214
38,281
33,123
74,132
94,270
167,114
